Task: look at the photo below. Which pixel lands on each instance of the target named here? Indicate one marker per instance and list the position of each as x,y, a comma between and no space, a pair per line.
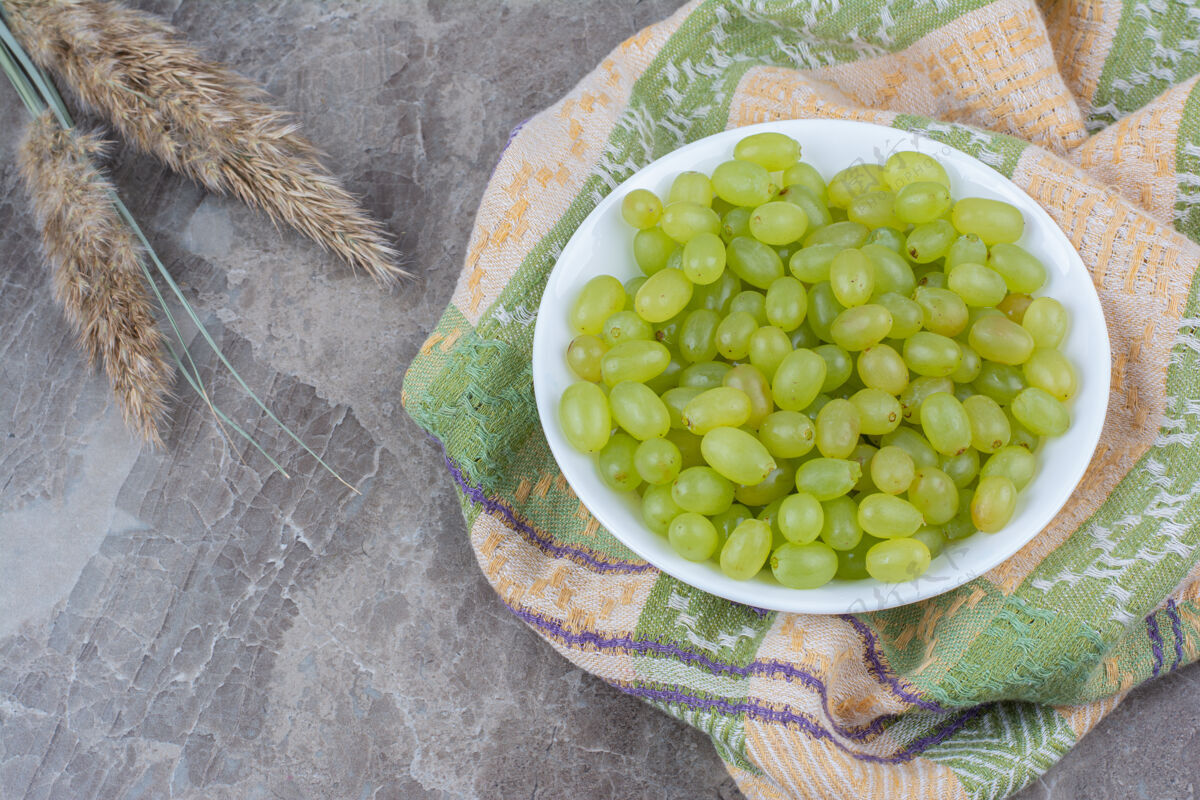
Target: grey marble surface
182,623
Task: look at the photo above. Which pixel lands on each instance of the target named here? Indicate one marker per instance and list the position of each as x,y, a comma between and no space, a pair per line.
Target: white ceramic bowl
603,244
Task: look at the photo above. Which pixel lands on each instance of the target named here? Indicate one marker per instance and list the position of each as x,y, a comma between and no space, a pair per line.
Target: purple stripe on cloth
544,542
757,667
1177,630
761,711
880,670
1156,643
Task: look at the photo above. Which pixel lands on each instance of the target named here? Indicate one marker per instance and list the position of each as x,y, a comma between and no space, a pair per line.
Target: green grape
801,518
960,526
667,332
663,295
990,429
1046,321
775,486
861,327
853,181
932,277
754,262
676,400
932,354
977,314
921,202
968,249
811,264
584,415
838,366
753,302
631,289
962,468
720,206
942,311
852,278
873,209
625,326
993,221
823,308
616,463
852,563
913,443
1048,369
933,538
887,517
675,260
768,347
742,183
714,408
778,223
736,222
1020,270
600,298
1000,382
729,519
657,461
891,272
815,211
862,455
689,447
997,338
945,424
897,560
798,380
641,208
702,490
682,221
892,469
1040,412
1012,462
915,393
804,566
704,374
639,361
909,166
583,356
691,187
772,151
803,337
887,237
878,411
806,175
934,495
844,234
1022,436
1014,306
787,434
881,367
698,336
827,478
907,314
994,502
668,378
637,409
693,536
837,429
659,508
840,529
969,367
976,284
786,303
737,455
746,550
703,258
929,241
715,296
652,248
733,335
748,379
769,515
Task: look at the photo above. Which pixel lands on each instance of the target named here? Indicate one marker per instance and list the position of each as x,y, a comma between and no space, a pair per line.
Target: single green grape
737,455
852,563
997,338
600,298
768,347
946,424
663,295
702,490
888,517
584,415
844,234
1012,462
891,272
812,264
873,209
801,518
616,463
862,454
691,187
860,327
749,380
729,519
929,241
626,326
689,448
931,354
990,430
752,301
878,411
909,166
840,529
1014,306
682,221
892,469
659,508
803,337
804,566
934,494
676,399
1022,272
827,478
933,538
703,258
638,360
772,151
823,308
993,221
907,314
1049,369
733,335
1040,412
881,367
815,211
966,249
915,393
698,336
746,550
897,560
787,434
742,183
631,289
736,222
838,366
887,237
786,303
942,310
693,536
837,429
913,443
704,374
852,278
969,367
806,175
584,355
637,409
641,208
1046,321
778,223
754,262
921,201
715,296
853,181
994,502
1001,382
798,380
929,275
977,285
658,461
962,468
778,483
722,406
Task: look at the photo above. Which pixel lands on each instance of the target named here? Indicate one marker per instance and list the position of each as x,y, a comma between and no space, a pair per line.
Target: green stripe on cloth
1187,167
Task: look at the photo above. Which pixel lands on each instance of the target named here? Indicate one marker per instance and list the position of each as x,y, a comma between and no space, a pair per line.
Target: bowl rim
874,595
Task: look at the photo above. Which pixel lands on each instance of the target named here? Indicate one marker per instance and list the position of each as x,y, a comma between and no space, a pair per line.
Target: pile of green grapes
832,379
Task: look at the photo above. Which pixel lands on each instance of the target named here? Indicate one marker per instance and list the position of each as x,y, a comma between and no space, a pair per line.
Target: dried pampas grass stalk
98,275
199,118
